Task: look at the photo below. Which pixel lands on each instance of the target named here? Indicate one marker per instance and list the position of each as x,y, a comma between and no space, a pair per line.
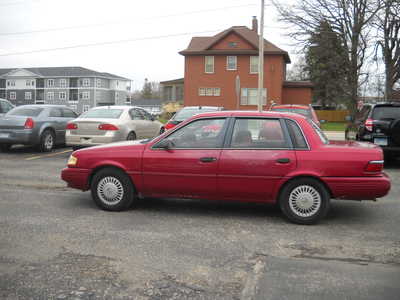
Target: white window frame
86,108
13,95
85,95
202,91
50,96
217,92
98,82
209,91
63,83
28,82
28,95
209,62
85,82
64,97
229,65
244,98
11,83
252,64
50,84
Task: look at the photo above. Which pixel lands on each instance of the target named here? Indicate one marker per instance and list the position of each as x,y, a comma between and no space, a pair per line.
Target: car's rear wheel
112,190
5,147
47,141
131,136
304,201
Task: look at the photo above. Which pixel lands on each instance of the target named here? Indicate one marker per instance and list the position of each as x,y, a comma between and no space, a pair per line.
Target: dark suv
378,124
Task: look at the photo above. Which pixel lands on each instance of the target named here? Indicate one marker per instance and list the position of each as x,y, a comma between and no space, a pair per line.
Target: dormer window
232,44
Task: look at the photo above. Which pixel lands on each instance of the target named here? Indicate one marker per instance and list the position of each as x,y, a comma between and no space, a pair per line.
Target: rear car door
57,122
189,168
257,154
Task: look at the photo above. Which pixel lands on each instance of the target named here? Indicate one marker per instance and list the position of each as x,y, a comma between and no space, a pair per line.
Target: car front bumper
76,178
359,188
22,136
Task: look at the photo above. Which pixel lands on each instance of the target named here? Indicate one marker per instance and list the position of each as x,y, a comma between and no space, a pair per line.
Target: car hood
116,146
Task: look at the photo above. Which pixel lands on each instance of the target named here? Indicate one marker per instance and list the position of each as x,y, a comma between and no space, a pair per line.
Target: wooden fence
332,115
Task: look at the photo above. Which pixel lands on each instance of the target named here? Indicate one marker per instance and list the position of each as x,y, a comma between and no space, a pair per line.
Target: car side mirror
165,144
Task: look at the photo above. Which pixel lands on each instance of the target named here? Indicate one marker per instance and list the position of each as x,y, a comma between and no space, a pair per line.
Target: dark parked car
247,156
188,112
5,107
378,124
39,125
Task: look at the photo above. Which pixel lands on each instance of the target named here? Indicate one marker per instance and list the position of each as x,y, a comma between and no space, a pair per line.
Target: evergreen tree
147,91
326,64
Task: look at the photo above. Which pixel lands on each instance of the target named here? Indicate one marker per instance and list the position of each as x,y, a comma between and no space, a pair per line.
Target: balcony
39,83
73,83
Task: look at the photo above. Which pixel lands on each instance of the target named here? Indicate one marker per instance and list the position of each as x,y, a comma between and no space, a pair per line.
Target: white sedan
107,124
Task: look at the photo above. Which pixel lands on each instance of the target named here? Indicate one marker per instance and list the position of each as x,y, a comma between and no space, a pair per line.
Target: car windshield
301,111
187,113
386,112
319,132
25,111
102,114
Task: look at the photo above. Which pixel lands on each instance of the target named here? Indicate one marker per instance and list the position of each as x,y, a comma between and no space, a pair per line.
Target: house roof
64,72
298,84
173,81
202,45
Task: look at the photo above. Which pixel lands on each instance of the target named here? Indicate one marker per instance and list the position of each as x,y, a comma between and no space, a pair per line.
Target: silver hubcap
48,141
110,190
304,201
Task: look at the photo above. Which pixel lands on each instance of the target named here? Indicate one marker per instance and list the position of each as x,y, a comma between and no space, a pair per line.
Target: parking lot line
48,155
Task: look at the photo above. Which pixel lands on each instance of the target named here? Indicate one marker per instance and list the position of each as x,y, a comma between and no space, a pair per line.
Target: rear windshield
25,111
102,113
304,112
386,112
184,114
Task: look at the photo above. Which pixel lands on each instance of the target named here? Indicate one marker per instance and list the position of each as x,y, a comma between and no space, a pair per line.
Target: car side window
5,107
146,115
136,114
205,133
258,133
67,113
296,135
55,112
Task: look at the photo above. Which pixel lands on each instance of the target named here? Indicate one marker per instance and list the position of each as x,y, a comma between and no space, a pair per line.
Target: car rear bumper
76,178
93,140
358,188
23,136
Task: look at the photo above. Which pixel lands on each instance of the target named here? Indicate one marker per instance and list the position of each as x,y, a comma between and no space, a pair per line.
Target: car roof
249,113
295,106
115,106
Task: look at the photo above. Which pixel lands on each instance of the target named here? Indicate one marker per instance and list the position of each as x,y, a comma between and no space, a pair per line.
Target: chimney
254,24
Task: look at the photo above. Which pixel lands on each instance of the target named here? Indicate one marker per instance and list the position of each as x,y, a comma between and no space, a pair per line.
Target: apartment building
76,87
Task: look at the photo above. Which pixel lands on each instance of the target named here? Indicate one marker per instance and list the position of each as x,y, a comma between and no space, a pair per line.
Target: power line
105,43
119,22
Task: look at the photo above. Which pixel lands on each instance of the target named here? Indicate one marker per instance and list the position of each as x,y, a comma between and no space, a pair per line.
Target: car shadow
22,149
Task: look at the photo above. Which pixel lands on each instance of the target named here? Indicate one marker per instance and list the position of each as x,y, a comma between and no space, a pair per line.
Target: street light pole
261,59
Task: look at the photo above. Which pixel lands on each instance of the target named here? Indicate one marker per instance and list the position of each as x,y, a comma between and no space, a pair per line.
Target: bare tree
388,24
350,19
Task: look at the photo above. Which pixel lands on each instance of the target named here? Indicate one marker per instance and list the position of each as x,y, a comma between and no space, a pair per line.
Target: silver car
5,106
39,125
107,124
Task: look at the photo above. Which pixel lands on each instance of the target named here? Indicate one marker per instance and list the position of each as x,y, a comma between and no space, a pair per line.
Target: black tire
5,147
162,130
109,179
131,136
314,198
47,141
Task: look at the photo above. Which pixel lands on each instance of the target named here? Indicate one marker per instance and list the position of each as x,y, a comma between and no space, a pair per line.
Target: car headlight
72,161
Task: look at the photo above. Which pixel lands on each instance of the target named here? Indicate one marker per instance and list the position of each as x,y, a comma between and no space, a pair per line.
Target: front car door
188,169
138,123
258,152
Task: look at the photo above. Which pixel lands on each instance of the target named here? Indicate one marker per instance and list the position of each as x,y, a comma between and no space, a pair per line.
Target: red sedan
269,157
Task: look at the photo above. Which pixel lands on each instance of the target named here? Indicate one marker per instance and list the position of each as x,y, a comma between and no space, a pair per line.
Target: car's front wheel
304,201
112,190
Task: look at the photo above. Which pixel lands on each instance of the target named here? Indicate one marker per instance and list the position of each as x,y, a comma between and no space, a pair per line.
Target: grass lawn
333,126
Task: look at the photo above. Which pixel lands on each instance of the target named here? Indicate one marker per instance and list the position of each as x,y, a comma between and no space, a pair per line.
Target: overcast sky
155,30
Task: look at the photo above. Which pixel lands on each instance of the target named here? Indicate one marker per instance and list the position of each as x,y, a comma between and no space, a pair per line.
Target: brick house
212,65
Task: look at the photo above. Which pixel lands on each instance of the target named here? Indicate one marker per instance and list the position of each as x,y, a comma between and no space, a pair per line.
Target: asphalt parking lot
56,244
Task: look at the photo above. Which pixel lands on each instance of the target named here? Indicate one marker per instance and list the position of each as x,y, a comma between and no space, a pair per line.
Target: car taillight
169,126
29,123
369,124
374,166
108,127
71,126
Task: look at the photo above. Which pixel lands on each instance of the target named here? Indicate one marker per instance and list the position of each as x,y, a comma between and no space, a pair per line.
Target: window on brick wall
254,64
203,91
209,64
231,63
249,96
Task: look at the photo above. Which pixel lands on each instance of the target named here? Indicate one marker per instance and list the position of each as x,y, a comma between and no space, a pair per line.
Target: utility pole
261,60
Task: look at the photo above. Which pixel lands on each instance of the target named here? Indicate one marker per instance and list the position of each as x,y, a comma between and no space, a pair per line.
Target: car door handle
208,159
283,160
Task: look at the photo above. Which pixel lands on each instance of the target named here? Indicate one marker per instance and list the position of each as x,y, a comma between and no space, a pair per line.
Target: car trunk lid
91,127
13,122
